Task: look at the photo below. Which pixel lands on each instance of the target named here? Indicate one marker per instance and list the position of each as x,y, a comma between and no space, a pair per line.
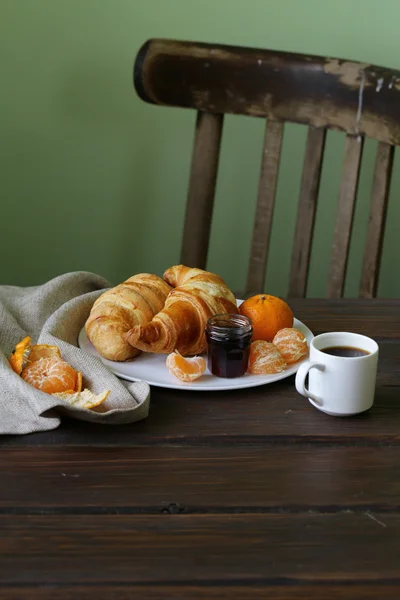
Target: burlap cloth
54,313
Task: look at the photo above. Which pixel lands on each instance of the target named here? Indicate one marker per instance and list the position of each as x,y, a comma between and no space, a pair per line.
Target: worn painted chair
324,93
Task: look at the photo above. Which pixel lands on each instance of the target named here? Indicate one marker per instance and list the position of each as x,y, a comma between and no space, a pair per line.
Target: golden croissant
180,325
116,311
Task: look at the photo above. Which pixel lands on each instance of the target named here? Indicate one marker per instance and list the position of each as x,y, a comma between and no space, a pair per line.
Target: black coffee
345,351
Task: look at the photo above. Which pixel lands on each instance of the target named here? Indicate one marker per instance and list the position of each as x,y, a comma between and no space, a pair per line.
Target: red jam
229,338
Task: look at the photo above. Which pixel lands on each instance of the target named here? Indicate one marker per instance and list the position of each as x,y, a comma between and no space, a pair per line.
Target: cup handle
301,380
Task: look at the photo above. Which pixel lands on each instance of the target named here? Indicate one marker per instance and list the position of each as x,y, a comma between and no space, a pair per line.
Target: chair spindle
203,177
345,215
265,205
306,212
377,219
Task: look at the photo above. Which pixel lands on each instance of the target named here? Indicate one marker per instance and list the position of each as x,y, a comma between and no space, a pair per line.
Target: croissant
116,311
180,325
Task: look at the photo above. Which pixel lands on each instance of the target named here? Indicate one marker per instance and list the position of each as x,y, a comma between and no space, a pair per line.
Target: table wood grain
242,494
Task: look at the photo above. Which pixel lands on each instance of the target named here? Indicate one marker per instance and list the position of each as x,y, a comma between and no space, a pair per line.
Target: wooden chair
324,93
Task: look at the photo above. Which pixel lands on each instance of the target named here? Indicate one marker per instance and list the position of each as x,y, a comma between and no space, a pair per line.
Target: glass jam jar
228,337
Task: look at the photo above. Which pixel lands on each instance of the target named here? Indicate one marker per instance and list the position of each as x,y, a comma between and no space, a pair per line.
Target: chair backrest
323,93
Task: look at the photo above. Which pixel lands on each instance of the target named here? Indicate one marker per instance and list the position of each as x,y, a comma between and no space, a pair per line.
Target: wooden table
246,494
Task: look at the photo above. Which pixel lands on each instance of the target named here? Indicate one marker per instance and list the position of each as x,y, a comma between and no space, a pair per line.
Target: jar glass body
229,338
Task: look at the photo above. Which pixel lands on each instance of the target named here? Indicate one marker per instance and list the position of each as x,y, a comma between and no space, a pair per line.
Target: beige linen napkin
54,313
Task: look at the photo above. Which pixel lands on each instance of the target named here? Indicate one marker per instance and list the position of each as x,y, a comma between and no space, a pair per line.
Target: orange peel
19,356
78,386
84,398
39,351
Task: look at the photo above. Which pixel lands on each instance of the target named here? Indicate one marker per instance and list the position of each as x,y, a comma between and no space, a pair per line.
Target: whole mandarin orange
268,315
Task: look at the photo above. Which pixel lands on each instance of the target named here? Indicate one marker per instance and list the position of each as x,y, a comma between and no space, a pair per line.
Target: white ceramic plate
151,368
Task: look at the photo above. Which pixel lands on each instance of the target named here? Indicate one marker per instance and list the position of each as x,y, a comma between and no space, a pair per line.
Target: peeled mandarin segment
39,351
268,315
50,375
185,369
83,399
20,354
291,343
265,359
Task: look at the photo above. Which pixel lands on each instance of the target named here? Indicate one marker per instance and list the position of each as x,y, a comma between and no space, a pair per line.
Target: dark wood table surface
244,494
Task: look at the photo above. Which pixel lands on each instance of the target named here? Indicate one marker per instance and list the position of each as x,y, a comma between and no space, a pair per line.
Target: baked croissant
133,302
180,325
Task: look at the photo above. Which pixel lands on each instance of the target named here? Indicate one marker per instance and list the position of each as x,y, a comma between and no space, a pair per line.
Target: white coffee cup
337,385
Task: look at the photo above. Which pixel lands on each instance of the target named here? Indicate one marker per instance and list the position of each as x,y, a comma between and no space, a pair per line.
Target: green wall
94,179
